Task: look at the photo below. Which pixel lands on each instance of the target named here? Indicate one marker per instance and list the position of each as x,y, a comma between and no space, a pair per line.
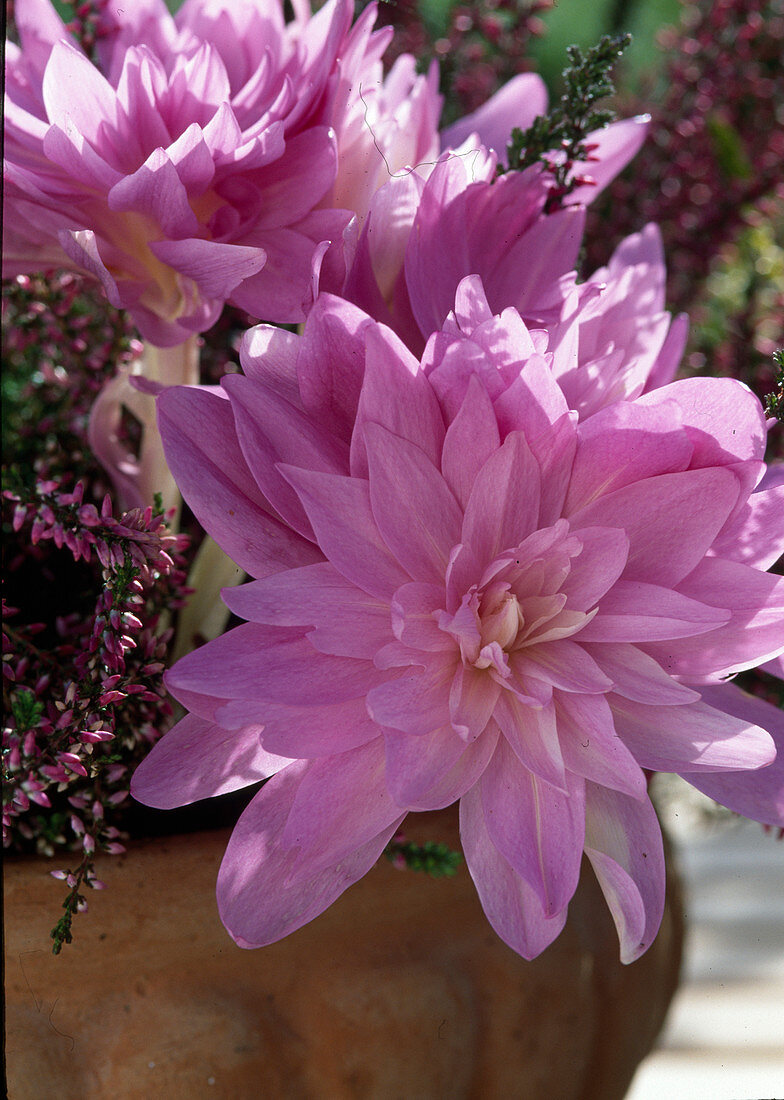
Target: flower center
500,616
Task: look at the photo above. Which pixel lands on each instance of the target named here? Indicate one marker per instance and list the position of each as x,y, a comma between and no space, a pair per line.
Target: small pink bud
110,697
41,798
72,761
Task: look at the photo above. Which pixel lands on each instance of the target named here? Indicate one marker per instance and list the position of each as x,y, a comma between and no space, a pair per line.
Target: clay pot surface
400,991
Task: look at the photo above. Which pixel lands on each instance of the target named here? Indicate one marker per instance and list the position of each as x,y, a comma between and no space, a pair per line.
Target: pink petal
537,261
633,611
510,904
671,520
414,609
155,191
471,439
39,27
690,738
199,438
339,509
517,103
341,803
418,702
216,268
76,93
332,363
428,773
774,667
623,842
471,306
386,232
396,395
451,783
202,451
615,147
591,747
753,633
295,182
283,290
533,403
623,444
637,676
197,759
755,536
69,149
670,354
504,504
416,514
534,826
81,246
723,419
756,794
533,737
310,731
266,891
451,364
193,160
472,700
562,663
597,567
269,355
271,430
348,621
258,663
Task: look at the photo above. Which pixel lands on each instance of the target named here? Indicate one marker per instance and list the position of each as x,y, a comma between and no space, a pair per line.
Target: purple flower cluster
484,45
83,705
717,139
61,343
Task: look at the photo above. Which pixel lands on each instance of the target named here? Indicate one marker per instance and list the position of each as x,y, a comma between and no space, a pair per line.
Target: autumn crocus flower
184,167
425,231
463,593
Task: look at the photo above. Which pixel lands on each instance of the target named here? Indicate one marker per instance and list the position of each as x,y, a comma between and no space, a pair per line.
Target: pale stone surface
401,990
724,1037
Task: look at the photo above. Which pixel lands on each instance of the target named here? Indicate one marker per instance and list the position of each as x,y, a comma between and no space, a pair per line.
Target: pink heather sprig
87,24
716,143
484,45
81,710
62,342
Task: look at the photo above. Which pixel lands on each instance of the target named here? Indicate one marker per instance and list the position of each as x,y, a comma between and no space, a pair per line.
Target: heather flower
484,45
82,692
463,593
185,166
717,139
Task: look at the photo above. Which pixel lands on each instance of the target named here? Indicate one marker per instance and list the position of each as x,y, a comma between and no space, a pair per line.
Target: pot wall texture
400,991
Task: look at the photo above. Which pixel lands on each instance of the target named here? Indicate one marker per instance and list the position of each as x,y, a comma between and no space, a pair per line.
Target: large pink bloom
463,593
185,167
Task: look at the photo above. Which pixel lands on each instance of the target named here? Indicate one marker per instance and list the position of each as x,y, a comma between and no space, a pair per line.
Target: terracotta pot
401,989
